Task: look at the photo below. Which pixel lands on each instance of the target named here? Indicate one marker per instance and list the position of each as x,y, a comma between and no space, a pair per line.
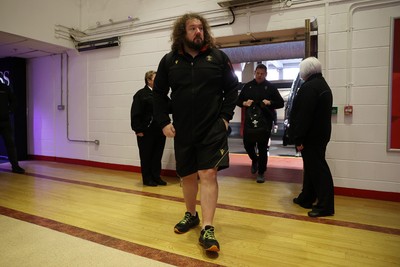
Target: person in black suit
310,128
7,106
150,138
259,93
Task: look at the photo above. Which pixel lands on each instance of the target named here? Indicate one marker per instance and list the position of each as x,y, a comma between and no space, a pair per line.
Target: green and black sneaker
188,221
207,239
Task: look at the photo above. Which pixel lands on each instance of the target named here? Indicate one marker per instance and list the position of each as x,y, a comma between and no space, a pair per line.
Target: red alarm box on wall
348,110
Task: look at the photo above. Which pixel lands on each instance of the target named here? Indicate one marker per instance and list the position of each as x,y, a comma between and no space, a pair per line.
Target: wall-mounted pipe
61,105
327,56
228,23
126,27
97,142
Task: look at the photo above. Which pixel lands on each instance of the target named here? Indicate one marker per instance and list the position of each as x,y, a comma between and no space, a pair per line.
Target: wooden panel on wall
394,115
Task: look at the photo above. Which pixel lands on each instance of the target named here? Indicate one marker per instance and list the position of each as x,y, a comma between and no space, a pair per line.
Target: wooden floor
69,215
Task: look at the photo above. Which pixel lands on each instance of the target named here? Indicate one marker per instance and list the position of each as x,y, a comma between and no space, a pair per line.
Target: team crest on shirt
209,58
222,151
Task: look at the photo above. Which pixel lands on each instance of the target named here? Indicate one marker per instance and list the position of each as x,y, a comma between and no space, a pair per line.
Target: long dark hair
179,31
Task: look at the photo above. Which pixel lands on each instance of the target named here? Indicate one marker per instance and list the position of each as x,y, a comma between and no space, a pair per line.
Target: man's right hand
248,103
169,130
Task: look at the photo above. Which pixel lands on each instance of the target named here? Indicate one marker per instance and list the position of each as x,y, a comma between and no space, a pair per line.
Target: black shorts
211,152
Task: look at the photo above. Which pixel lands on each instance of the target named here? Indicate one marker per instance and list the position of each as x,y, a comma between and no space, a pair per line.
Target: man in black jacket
259,94
7,106
310,128
203,89
150,139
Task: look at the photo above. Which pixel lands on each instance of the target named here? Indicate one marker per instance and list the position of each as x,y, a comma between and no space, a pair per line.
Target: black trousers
250,146
6,132
317,180
151,149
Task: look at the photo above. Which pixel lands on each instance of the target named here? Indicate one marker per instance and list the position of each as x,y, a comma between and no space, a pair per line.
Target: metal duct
241,3
257,53
97,44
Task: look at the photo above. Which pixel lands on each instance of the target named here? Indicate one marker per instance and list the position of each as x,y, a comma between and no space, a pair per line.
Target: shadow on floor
276,148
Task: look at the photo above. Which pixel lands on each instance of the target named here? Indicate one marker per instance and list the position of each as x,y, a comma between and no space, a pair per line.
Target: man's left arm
230,91
276,101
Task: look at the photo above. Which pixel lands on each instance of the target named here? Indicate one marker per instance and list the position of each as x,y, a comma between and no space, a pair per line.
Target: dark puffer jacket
203,91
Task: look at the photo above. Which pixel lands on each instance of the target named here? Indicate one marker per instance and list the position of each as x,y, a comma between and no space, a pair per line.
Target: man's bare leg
190,188
208,198
208,195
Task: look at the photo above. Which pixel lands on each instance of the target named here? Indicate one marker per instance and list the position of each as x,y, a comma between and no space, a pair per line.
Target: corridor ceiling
281,44
17,46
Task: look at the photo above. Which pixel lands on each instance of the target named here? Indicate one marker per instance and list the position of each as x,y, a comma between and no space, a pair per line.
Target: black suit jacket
311,113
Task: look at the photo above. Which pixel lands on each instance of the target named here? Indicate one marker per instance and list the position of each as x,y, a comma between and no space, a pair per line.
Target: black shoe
207,239
254,166
18,169
301,204
150,183
188,221
319,213
160,181
260,178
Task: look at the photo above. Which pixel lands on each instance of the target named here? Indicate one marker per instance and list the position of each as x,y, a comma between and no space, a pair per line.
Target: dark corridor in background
13,71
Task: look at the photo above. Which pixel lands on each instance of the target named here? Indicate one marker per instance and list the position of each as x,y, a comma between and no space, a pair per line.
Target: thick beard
194,45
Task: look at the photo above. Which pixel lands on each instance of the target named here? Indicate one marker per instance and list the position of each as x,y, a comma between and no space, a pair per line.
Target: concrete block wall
354,45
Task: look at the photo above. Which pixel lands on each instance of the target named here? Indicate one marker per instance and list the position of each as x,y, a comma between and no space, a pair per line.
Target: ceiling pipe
126,27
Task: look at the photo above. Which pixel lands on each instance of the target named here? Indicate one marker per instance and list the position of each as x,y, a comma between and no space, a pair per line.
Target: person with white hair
311,131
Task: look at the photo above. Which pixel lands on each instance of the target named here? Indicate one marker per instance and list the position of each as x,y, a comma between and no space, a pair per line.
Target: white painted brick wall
103,82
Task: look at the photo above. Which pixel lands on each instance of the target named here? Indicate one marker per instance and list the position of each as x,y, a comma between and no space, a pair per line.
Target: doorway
281,51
